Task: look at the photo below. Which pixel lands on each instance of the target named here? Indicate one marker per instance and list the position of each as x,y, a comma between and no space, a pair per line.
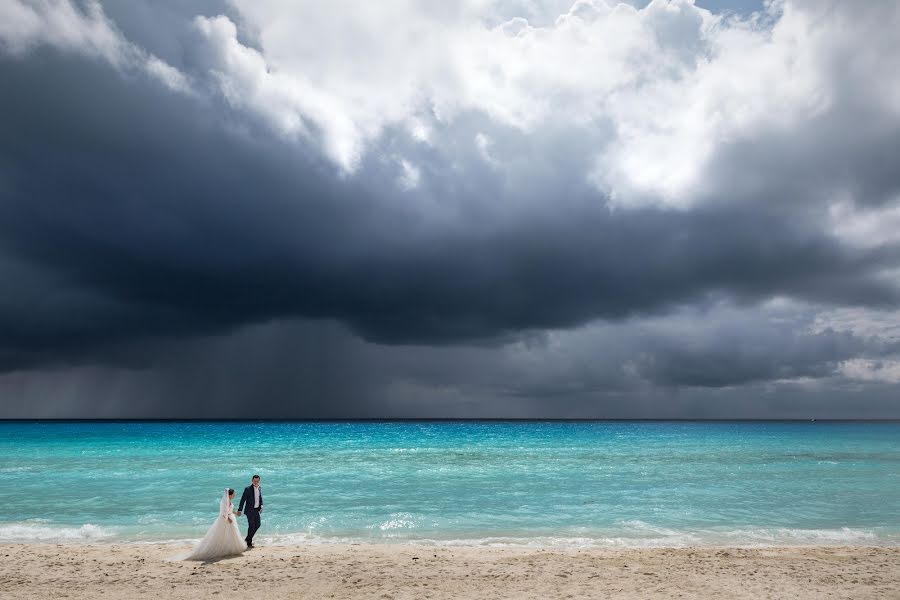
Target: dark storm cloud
172,242
615,370
740,357
157,221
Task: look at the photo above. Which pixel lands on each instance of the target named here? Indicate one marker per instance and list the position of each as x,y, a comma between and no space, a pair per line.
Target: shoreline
449,545
401,570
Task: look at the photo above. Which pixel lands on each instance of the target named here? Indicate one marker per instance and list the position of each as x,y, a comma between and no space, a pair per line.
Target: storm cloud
580,210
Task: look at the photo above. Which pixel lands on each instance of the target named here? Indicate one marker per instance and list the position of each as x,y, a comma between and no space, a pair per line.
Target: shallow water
582,483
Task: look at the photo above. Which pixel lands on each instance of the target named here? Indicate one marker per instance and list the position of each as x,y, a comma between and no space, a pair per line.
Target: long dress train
222,539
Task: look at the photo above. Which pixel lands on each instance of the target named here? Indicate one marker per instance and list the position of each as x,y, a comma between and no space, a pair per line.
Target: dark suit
248,499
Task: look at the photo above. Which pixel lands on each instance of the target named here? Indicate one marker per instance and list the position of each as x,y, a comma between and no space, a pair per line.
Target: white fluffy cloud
656,90
60,23
83,29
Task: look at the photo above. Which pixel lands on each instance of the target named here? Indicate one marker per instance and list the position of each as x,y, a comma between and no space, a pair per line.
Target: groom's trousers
252,523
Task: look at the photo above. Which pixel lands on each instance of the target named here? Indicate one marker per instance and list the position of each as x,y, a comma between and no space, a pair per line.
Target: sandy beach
407,571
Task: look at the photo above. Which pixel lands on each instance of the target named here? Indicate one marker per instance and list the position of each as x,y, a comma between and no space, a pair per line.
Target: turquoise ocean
571,484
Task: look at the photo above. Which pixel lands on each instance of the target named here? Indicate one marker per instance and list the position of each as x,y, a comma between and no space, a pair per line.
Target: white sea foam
41,531
627,534
790,536
15,469
399,521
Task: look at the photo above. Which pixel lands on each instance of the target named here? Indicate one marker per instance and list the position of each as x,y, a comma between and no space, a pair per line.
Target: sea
607,484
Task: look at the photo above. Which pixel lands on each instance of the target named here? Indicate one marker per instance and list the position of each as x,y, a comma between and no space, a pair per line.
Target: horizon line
437,420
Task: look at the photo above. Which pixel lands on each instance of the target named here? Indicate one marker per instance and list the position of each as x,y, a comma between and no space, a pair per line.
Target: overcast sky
478,208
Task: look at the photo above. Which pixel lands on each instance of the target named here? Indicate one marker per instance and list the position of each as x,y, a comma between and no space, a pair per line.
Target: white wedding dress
222,539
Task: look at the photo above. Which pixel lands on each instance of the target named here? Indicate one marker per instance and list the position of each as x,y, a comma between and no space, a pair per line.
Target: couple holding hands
224,538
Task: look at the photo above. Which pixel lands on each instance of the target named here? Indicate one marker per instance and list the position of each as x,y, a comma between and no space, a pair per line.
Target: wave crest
42,532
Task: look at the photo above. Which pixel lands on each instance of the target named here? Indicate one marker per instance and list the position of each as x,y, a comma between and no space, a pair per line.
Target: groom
252,497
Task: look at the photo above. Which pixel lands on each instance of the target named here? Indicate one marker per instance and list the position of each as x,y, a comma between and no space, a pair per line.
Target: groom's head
255,480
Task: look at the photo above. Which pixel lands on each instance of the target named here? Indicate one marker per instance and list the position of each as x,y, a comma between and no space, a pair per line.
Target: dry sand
406,571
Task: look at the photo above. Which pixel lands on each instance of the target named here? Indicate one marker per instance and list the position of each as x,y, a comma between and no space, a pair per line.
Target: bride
223,538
